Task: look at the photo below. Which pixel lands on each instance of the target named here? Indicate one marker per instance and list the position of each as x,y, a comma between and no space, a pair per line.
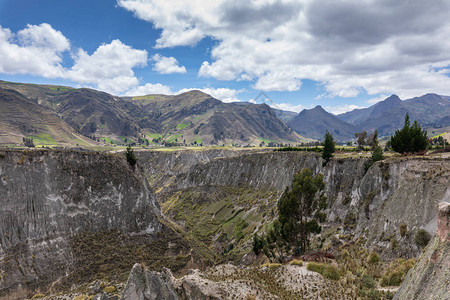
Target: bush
402,228
396,272
422,238
110,289
327,271
368,282
38,296
373,258
296,262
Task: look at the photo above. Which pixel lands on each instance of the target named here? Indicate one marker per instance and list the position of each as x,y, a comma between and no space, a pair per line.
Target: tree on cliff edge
131,158
409,139
328,147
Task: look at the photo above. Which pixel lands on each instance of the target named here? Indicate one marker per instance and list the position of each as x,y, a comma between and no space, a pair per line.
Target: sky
293,55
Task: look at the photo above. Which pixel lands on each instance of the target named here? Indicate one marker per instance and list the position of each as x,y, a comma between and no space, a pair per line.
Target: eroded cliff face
51,200
429,279
374,203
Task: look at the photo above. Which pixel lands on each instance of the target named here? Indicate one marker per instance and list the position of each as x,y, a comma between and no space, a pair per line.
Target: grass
43,139
326,270
173,138
182,126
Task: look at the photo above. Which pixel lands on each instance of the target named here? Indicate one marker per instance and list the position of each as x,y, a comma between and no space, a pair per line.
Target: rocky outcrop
149,285
53,207
429,279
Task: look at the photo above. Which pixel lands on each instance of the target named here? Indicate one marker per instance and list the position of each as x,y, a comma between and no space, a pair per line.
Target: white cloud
167,65
288,107
110,67
35,50
149,88
381,47
340,109
224,94
377,99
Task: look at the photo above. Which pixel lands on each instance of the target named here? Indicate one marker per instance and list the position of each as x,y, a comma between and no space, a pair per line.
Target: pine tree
131,158
328,147
298,213
410,138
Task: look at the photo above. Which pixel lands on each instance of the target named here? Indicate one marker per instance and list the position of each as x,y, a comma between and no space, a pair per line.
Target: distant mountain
388,115
284,115
197,117
189,118
21,117
315,122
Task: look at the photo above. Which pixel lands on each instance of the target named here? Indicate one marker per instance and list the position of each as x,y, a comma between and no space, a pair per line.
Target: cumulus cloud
149,88
35,50
288,107
350,47
167,65
110,67
340,109
224,94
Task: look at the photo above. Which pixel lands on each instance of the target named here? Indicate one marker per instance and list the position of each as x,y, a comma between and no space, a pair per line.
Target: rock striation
51,200
429,279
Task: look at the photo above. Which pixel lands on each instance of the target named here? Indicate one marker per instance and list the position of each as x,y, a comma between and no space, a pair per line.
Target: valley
95,216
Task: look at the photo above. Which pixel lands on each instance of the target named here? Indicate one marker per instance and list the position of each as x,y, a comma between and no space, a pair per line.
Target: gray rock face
372,203
429,279
48,197
148,285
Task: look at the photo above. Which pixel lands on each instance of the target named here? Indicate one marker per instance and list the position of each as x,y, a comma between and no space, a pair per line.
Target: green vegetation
328,147
373,258
327,270
182,126
43,139
38,296
298,214
131,157
402,228
28,142
396,272
409,139
422,238
110,289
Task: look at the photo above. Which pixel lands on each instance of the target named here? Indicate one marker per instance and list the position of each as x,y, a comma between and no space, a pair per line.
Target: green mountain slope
21,117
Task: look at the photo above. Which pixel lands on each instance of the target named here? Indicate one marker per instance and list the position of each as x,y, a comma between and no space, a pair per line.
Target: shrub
38,296
402,228
327,271
422,238
373,258
297,262
396,272
110,289
368,282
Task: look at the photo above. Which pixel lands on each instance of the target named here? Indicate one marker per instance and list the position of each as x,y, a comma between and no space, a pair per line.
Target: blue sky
339,54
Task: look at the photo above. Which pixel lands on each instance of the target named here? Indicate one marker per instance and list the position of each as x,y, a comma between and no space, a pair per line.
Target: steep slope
284,115
430,277
214,193
195,117
99,114
386,116
315,122
20,117
71,217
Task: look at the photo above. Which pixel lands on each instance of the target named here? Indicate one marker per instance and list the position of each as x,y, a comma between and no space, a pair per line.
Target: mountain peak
392,99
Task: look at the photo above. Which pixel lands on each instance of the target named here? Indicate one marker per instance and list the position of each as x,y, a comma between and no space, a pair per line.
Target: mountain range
191,118
60,115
